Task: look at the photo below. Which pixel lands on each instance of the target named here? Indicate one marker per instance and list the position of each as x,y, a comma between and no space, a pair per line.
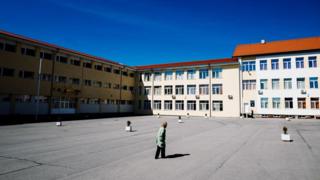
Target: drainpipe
52,80
210,89
240,85
120,92
38,88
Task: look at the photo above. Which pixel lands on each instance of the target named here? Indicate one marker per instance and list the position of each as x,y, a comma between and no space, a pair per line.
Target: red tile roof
33,41
189,63
274,47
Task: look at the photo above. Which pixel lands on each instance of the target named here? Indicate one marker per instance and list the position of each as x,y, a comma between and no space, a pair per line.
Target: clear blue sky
145,32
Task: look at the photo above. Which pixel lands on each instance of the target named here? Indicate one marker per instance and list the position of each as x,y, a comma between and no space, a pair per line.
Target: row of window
180,90
288,103
62,79
180,74
286,64
64,100
180,105
275,83
63,59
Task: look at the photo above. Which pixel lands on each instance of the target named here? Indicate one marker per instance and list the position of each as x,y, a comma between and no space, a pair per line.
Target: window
287,83
60,79
62,59
7,72
167,90
249,66
107,69
287,63
87,64
276,103
179,90
252,103
28,52
274,64
45,77
125,87
1,45
275,83
191,89
131,74
249,84
191,105
116,71
139,104
313,82
10,47
263,65
75,81
167,105
147,105
147,77
299,62
264,103
288,103
124,73
157,76
216,73
75,62
217,105
106,85
179,75
157,90
157,105
87,82
314,103
312,61
98,67
179,105
97,84
26,74
63,103
45,55
203,73
204,105
203,89
168,75
216,88
147,90
191,74
263,84
301,103
301,83
131,88
116,86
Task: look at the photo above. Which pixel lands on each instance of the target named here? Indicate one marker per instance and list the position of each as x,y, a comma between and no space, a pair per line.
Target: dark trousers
163,152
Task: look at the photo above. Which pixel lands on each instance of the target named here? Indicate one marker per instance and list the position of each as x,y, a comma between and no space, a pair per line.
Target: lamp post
38,88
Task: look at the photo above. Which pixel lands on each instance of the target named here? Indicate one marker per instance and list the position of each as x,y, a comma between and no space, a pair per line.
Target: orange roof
189,63
33,41
274,47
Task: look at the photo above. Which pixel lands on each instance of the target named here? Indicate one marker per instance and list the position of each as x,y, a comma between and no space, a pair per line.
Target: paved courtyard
217,148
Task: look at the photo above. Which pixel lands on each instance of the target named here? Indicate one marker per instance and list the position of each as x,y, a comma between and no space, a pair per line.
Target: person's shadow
176,155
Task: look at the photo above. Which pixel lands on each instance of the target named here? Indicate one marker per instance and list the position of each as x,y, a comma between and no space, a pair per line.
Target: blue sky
145,32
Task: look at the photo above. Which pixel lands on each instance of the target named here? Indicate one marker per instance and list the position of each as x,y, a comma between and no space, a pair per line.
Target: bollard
179,121
285,136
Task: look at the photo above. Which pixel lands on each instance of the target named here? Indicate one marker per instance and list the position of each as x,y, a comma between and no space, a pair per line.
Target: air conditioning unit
197,97
173,97
230,96
303,91
260,92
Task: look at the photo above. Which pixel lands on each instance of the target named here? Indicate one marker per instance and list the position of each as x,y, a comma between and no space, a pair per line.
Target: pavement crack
29,167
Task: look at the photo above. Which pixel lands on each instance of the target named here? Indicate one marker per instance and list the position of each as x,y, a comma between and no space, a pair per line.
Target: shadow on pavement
176,155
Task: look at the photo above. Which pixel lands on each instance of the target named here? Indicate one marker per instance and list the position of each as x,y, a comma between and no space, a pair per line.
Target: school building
278,78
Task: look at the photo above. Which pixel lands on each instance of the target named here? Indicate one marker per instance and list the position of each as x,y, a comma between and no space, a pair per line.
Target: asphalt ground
201,149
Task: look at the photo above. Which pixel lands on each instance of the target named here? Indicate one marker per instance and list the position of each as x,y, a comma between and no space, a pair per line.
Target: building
198,88
41,78
277,78
280,77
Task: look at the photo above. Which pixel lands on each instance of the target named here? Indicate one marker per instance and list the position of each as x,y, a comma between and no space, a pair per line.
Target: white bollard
128,128
59,123
285,137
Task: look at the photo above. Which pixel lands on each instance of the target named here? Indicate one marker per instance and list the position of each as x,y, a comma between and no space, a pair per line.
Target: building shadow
176,155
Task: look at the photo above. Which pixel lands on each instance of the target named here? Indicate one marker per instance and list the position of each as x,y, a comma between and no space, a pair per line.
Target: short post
158,115
180,120
128,127
188,115
206,116
285,136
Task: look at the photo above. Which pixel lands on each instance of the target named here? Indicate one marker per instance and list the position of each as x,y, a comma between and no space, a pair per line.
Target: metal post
38,88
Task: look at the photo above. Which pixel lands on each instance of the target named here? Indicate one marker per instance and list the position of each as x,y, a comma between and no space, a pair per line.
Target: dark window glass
98,67
45,55
131,74
107,69
7,72
125,73
1,46
26,74
10,48
75,62
87,65
116,71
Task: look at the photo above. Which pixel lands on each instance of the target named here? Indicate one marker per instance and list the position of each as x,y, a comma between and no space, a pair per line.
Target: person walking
161,141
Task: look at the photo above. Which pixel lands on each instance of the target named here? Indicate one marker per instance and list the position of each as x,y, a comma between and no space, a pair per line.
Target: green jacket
161,137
